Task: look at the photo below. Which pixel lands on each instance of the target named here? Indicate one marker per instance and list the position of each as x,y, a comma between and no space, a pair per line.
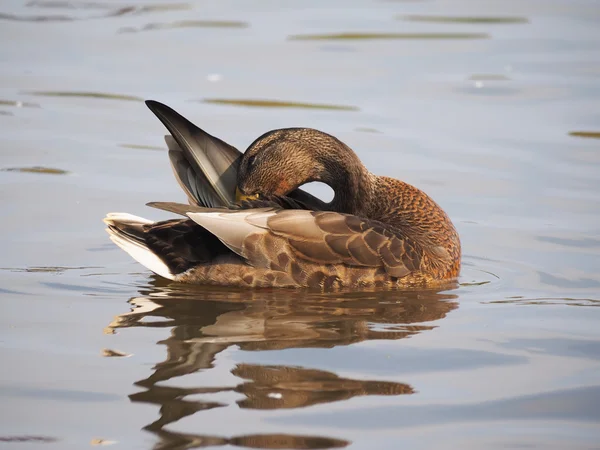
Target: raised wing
205,166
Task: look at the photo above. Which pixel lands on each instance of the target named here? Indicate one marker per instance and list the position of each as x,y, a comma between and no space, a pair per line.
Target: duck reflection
204,322
274,387
181,441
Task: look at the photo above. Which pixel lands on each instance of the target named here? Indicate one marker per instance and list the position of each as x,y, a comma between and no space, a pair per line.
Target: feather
231,227
135,247
204,165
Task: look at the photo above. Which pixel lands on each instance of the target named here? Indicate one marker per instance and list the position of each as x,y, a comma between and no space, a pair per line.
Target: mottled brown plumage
377,231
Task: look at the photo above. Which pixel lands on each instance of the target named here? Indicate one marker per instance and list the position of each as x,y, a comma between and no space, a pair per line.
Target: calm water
492,107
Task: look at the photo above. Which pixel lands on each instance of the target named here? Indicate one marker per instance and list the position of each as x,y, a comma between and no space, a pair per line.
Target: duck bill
214,162
240,196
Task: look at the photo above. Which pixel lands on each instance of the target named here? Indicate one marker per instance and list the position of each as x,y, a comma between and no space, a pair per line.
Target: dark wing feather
205,166
263,202
181,208
195,184
182,244
284,202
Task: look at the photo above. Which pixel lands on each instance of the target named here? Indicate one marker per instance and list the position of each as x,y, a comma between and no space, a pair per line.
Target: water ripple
111,11
101,95
186,24
277,104
519,300
378,36
585,134
141,147
466,19
36,169
58,4
18,104
28,438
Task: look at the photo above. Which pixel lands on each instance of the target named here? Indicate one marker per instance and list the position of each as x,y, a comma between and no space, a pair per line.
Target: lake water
492,107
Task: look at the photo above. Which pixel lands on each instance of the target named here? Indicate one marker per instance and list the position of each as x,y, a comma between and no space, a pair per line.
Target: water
490,107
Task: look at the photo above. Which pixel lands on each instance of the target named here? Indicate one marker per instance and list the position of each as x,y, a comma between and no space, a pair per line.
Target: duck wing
266,247
302,241
205,166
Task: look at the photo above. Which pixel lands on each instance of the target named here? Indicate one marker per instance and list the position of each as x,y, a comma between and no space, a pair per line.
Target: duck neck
350,180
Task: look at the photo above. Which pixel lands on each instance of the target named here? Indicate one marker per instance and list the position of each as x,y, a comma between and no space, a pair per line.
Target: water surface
490,107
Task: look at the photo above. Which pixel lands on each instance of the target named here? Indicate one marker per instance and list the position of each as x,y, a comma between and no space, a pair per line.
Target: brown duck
249,225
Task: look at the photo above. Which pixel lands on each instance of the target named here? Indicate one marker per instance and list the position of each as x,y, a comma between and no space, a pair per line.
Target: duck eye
251,161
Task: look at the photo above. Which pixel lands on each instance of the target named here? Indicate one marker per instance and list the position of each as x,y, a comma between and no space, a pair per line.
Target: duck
249,224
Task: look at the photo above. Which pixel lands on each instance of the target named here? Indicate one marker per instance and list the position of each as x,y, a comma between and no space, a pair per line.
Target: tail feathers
127,231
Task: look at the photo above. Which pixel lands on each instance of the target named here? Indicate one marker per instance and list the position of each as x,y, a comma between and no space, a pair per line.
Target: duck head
280,161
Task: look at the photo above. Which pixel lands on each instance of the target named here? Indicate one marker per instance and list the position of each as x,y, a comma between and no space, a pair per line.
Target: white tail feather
137,250
126,217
